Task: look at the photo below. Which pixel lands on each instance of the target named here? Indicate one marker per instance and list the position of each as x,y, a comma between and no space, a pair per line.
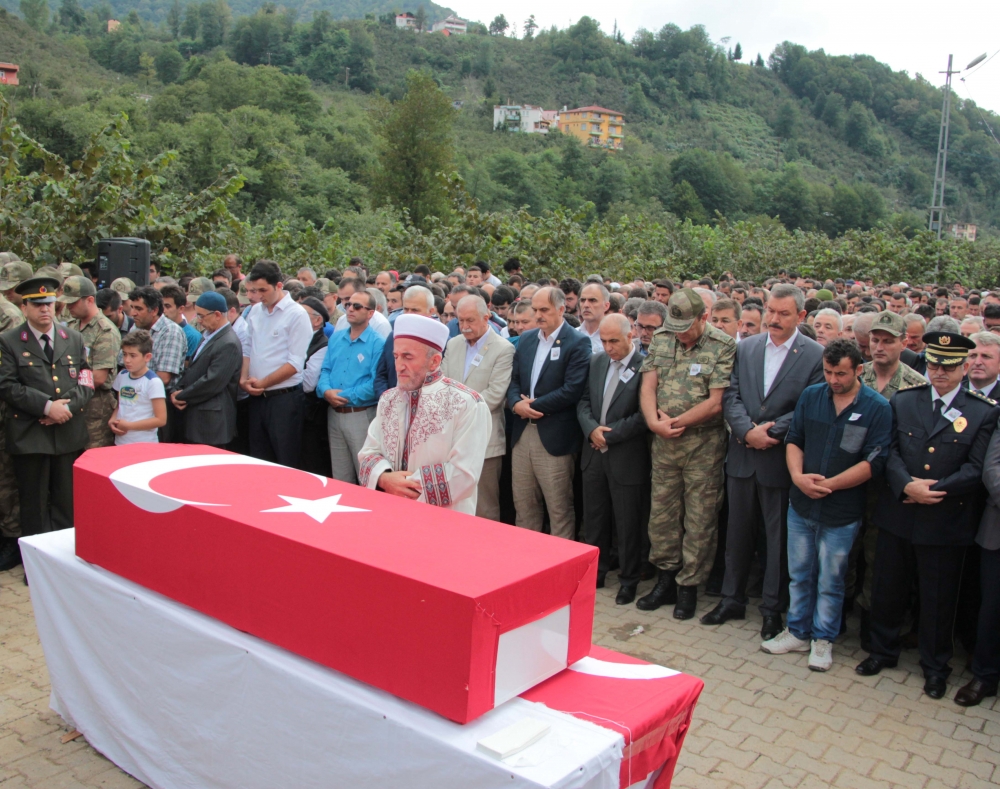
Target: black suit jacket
560,386
744,405
628,441
209,387
938,451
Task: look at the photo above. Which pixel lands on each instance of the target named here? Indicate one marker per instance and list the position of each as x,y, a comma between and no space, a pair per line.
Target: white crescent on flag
134,481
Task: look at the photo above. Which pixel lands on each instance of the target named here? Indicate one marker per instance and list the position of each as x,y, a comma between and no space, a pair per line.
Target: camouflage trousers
10,510
96,414
688,486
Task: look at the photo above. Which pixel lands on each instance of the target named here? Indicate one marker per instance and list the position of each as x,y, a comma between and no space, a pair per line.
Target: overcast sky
901,34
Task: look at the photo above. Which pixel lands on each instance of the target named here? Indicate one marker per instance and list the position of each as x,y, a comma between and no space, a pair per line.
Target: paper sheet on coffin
651,706
454,613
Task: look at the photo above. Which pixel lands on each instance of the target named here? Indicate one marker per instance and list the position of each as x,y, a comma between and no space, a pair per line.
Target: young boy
142,403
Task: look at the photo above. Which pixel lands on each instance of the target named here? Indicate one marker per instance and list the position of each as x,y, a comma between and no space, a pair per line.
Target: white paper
514,738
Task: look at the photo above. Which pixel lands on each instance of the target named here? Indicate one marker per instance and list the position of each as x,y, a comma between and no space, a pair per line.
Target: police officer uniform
39,367
102,342
944,441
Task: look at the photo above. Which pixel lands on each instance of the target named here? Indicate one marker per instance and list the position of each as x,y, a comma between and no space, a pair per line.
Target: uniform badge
960,424
63,334
72,372
24,336
25,353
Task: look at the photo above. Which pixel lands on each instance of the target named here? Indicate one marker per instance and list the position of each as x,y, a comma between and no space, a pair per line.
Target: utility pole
936,221
347,78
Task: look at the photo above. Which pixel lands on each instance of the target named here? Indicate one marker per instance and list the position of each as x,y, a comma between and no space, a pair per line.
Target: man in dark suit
551,365
984,365
929,509
986,657
770,372
615,455
206,393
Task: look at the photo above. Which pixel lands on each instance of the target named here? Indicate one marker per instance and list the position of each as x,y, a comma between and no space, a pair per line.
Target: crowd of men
826,446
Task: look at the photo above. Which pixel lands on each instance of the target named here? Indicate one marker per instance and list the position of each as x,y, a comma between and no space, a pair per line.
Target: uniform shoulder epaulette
982,397
913,386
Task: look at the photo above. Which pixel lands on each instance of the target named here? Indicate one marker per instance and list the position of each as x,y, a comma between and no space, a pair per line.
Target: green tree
71,16
214,17
169,64
416,148
35,13
420,19
686,204
192,21
530,26
738,52
787,123
174,19
147,68
499,25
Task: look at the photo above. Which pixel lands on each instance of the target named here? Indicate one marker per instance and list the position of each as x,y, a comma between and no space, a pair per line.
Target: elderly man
206,391
430,434
306,276
594,305
648,318
385,281
915,328
828,326
417,300
550,371
862,325
347,384
482,360
984,365
970,325
615,456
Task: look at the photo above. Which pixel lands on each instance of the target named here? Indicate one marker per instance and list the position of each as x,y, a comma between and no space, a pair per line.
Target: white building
407,21
452,25
523,118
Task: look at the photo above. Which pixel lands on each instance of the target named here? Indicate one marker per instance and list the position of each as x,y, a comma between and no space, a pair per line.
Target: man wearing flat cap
46,382
929,509
102,341
429,437
206,391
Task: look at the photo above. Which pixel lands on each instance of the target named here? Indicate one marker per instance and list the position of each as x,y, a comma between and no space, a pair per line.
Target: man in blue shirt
838,440
347,383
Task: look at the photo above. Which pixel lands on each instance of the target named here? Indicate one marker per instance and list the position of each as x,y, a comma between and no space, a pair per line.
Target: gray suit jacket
209,388
988,535
744,405
628,441
490,378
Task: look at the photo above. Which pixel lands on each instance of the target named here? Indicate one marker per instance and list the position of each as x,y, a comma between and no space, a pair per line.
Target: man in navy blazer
551,366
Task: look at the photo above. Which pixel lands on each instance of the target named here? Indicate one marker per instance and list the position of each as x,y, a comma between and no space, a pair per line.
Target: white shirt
378,322
135,402
314,366
472,350
542,353
982,389
206,336
945,398
278,337
51,334
596,346
621,366
774,357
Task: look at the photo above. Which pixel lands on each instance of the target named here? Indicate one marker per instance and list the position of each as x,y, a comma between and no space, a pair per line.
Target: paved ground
763,721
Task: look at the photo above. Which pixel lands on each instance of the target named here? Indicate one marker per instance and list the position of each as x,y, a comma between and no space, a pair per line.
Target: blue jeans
817,566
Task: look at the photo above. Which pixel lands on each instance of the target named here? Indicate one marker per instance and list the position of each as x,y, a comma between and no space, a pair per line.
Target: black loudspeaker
122,257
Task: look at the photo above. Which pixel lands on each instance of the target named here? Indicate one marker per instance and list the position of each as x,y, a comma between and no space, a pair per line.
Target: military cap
200,285
69,270
947,348
824,294
243,296
682,309
50,271
76,288
123,286
38,290
7,257
324,285
14,273
890,323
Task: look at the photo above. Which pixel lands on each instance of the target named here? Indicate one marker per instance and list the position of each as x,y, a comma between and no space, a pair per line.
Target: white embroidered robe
441,432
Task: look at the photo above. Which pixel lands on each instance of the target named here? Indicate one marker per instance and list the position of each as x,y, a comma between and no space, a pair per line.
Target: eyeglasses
643,327
355,306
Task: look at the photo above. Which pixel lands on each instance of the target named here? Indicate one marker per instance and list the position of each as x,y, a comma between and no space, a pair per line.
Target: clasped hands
59,413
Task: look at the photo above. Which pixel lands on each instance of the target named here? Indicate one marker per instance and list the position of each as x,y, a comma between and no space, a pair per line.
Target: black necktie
47,348
938,405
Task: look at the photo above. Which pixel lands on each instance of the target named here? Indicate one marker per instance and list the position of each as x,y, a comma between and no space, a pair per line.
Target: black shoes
664,593
626,594
871,666
935,687
723,613
10,554
687,601
771,627
974,692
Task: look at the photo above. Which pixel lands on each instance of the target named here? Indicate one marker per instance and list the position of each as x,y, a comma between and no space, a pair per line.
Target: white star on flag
317,509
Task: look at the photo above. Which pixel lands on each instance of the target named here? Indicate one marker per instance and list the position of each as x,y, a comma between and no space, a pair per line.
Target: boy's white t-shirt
135,402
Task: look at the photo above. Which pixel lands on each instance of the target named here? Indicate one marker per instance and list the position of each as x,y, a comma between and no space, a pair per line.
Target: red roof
9,67
596,109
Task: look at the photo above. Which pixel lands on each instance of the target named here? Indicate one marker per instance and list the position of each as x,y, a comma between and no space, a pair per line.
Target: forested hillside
808,140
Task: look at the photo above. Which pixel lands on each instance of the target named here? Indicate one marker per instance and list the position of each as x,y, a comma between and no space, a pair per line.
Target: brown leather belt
346,409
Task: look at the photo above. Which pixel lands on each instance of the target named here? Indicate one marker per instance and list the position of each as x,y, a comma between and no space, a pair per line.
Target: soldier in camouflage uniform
886,344
102,341
687,370
10,523
11,275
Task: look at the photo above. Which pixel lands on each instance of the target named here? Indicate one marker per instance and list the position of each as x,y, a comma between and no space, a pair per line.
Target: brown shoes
974,692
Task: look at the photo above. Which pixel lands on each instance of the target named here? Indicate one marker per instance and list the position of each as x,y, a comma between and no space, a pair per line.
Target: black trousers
45,488
939,570
749,504
241,443
608,505
276,427
986,660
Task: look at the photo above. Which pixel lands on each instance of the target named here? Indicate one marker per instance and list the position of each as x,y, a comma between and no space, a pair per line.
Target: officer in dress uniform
46,383
929,509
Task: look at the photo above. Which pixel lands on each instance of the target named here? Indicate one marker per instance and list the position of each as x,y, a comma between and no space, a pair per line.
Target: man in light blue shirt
347,383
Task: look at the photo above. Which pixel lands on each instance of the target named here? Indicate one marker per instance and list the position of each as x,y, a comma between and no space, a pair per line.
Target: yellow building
596,126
